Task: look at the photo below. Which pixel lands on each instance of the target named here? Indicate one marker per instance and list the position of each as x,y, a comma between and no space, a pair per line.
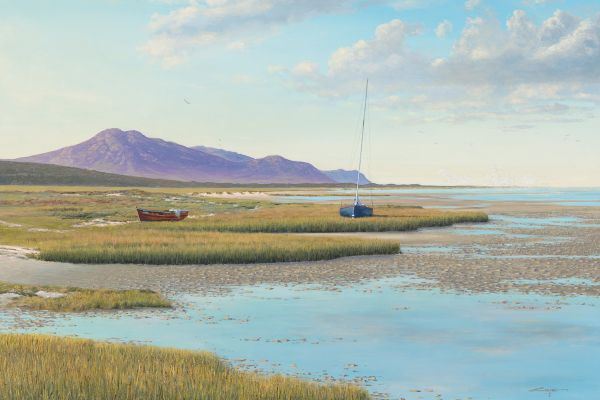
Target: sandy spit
17,252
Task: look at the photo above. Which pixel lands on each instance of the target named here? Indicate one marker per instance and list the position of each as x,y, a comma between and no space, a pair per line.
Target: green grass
52,368
77,299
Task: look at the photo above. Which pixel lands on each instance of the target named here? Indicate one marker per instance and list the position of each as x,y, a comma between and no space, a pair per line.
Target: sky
475,92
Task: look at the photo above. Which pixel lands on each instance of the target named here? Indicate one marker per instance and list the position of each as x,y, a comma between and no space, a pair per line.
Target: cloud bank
495,69
229,22
492,70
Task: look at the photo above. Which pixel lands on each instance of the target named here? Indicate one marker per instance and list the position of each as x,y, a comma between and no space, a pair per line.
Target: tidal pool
514,222
387,335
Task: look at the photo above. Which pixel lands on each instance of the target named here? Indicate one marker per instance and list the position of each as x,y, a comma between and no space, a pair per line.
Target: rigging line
370,152
362,137
355,140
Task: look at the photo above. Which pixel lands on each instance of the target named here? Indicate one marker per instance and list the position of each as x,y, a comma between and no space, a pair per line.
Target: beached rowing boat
168,215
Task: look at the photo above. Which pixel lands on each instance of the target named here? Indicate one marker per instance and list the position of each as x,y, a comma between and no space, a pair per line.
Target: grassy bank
155,246
295,218
78,226
44,367
76,299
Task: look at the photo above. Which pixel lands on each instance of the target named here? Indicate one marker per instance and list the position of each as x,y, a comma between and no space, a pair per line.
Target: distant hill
228,155
345,176
24,173
337,175
132,153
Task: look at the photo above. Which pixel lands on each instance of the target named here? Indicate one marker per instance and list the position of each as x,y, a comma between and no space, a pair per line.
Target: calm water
563,196
502,225
392,339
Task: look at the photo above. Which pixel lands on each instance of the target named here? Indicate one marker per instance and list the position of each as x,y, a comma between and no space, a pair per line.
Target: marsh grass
82,215
77,299
155,246
217,231
312,218
53,368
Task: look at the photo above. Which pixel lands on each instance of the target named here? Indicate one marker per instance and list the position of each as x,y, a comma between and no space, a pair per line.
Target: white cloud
472,4
522,94
380,59
519,70
231,22
385,51
443,29
537,2
563,49
306,69
237,45
409,4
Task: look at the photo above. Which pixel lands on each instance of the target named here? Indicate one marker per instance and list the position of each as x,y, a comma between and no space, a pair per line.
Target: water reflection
385,335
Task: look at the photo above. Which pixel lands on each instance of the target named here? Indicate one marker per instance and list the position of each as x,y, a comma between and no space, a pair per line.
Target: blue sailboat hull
356,211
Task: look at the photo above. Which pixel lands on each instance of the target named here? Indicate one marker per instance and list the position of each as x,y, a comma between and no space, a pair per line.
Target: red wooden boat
168,215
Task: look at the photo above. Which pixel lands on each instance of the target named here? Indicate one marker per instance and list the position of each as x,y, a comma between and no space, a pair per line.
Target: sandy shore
236,195
462,258
8,252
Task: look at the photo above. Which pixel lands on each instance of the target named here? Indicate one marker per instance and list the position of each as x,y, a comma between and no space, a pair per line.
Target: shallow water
503,224
558,281
478,232
510,221
429,249
585,197
389,337
542,256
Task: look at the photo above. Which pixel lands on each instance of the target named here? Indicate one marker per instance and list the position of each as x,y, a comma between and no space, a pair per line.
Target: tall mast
362,136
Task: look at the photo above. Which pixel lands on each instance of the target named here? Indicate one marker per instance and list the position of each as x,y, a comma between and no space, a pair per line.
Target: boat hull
356,211
158,216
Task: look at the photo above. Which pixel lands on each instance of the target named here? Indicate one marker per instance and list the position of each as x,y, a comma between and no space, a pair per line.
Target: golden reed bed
38,367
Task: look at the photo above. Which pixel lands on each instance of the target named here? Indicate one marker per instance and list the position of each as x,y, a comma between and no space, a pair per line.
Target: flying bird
186,101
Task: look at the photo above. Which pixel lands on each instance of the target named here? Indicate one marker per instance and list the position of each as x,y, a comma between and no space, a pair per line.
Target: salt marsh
504,310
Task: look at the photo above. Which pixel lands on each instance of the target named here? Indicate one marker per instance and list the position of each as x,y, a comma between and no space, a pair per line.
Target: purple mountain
345,176
337,175
132,153
228,155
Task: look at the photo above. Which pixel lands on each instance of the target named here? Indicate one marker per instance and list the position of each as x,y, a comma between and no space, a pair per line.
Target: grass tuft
76,299
157,246
53,368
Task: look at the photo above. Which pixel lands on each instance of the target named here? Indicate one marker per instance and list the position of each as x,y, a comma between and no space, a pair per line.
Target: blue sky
462,92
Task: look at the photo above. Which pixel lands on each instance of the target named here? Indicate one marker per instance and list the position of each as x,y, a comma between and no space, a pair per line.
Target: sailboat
358,209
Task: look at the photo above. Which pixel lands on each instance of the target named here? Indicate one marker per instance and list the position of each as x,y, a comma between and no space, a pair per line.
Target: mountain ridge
338,175
132,153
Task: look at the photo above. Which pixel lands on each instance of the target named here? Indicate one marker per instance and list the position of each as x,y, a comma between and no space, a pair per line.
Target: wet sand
467,258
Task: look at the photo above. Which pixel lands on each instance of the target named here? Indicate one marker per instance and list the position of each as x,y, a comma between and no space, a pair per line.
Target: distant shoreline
16,173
